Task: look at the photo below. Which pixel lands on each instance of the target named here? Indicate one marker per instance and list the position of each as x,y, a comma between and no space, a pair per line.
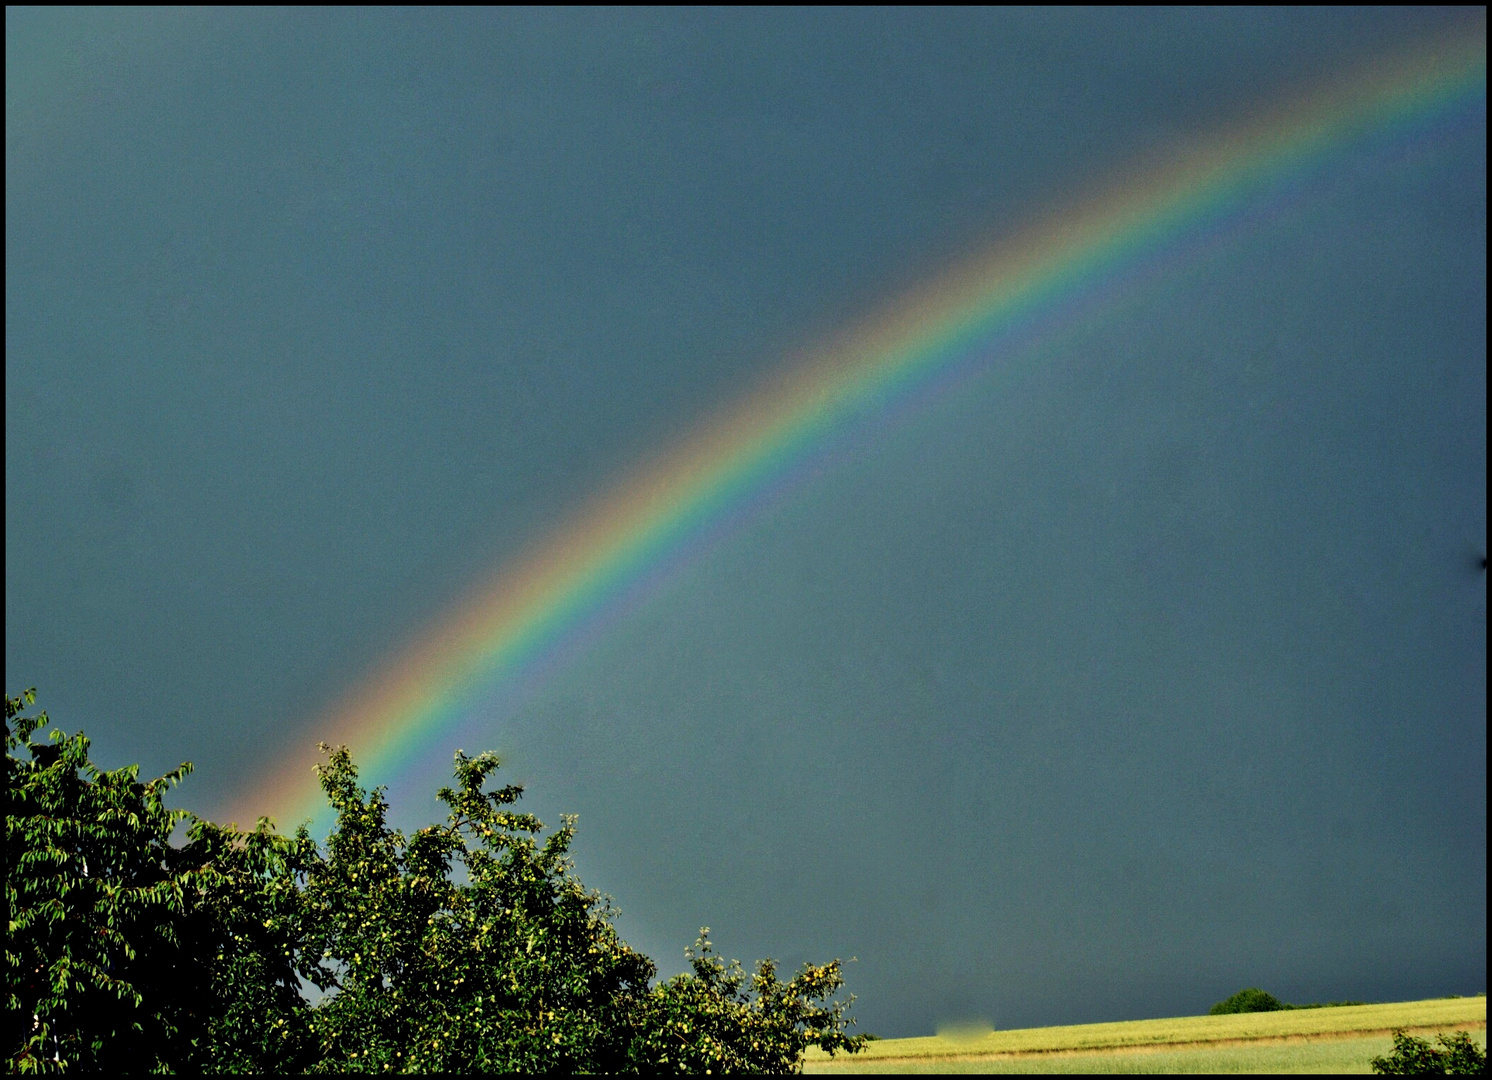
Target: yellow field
1338,1039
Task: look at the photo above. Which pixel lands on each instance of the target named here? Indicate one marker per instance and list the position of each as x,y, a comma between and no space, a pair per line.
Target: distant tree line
1251,999
128,953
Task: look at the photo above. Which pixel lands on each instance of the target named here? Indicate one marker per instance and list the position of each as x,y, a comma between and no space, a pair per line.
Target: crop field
1338,1039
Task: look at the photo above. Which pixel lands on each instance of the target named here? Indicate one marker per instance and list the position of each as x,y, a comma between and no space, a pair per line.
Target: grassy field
1338,1039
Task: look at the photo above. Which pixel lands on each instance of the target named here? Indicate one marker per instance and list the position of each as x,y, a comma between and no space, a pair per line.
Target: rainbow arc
532,615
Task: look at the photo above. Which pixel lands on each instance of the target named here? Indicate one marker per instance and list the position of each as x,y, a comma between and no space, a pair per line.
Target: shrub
1457,1055
1248,1000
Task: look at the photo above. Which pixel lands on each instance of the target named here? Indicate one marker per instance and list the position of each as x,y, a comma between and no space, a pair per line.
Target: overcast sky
1147,665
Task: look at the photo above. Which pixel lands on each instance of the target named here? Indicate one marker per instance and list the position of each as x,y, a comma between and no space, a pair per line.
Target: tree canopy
1457,1055
126,952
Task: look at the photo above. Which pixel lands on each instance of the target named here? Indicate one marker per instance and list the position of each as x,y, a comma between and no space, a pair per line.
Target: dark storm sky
1149,665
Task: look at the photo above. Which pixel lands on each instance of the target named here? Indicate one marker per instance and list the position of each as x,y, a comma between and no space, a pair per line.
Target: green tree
704,1022
1250,999
121,947
1457,1055
249,933
518,969
126,952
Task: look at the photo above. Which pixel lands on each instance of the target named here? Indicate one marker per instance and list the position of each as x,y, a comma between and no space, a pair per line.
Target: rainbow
520,626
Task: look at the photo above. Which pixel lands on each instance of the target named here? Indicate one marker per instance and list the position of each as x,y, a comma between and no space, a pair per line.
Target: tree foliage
1252,999
94,954
469,946
1457,1055
1248,1000
705,1022
517,970
122,947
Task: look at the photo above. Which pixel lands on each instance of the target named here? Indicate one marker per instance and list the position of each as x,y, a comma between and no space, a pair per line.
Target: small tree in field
1248,1000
